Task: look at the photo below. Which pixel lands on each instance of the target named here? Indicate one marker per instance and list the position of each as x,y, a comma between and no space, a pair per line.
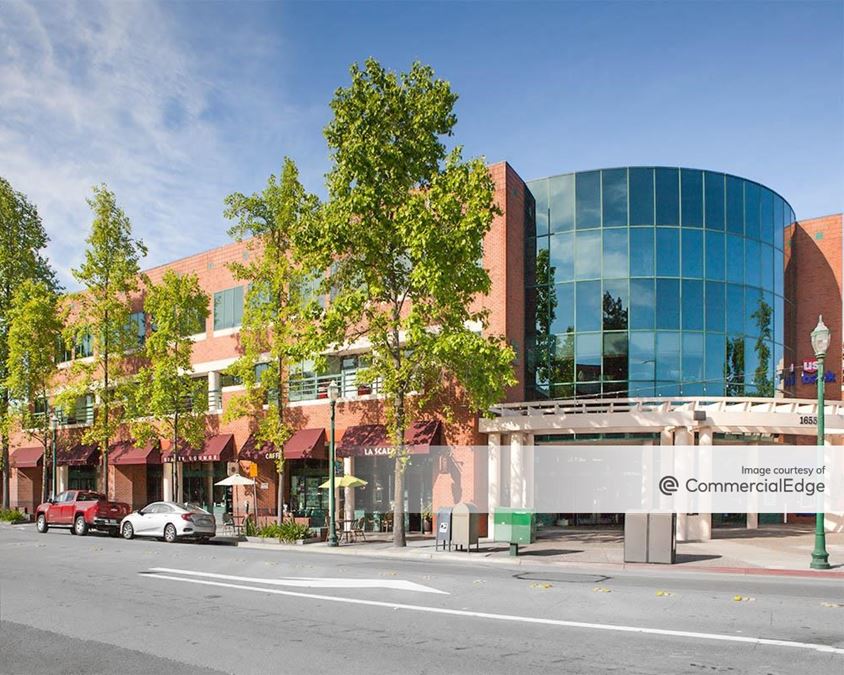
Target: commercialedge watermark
669,485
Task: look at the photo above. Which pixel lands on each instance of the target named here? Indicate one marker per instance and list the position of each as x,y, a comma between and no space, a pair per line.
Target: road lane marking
826,649
312,582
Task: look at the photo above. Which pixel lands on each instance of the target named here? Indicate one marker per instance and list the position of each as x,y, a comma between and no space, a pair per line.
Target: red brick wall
25,488
128,484
814,284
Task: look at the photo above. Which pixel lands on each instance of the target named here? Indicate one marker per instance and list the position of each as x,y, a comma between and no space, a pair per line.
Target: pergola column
493,476
517,470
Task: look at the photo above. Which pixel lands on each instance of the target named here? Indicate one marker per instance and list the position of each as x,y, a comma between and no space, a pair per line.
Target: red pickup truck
81,510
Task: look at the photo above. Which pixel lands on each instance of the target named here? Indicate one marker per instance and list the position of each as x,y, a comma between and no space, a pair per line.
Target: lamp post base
820,560
333,541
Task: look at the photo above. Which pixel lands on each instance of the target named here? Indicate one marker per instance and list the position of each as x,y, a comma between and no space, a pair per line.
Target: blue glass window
735,259
692,304
714,366
667,197
615,304
779,318
615,253
541,263
667,358
766,260
668,303
691,190
562,316
641,196
539,190
779,217
615,356
715,256
767,216
693,361
587,262
642,304
714,201
588,199
228,308
614,196
562,256
752,262
642,360
714,306
753,299
751,210
641,251
778,272
668,252
589,311
587,357
692,253
751,361
735,308
735,205
561,202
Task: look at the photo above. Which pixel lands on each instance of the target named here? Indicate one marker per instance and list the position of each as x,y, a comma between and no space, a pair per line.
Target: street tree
281,309
35,331
22,243
167,402
403,236
109,275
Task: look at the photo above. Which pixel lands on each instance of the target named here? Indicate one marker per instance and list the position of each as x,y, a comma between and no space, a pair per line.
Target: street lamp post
54,425
333,395
820,344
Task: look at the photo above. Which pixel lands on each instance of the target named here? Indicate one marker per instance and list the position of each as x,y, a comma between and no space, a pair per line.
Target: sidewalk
773,550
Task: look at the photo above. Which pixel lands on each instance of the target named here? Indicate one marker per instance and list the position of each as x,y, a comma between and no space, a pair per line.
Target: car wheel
80,527
128,531
41,523
169,533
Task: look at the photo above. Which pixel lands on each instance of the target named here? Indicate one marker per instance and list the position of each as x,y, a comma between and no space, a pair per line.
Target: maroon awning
373,439
127,453
78,455
303,444
27,458
219,448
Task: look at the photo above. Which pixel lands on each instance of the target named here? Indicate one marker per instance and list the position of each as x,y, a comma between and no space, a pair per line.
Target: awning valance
126,453
27,458
219,448
303,444
78,455
373,439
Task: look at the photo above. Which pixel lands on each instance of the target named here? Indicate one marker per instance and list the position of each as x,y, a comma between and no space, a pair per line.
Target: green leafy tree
110,274
403,232
764,384
22,243
35,329
168,402
280,311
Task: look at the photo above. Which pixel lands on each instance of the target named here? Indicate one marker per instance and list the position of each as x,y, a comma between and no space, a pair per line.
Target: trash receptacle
443,527
465,526
650,538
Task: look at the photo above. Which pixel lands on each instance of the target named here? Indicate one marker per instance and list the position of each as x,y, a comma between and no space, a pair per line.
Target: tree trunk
399,538
5,452
104,440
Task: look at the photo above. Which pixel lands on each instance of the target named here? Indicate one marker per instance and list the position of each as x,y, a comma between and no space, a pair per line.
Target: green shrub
12,515
288,531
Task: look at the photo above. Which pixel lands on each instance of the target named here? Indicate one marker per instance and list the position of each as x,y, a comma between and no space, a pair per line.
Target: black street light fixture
333,395
820,345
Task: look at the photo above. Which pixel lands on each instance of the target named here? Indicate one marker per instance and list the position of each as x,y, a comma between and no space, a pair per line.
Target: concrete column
517,470
529,471
493,476
213,388
61,478
349,493
167,481
697,526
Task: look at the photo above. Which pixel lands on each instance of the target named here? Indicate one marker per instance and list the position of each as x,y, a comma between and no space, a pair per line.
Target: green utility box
516,526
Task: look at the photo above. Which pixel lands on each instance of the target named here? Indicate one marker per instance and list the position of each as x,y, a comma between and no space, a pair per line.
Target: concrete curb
485,559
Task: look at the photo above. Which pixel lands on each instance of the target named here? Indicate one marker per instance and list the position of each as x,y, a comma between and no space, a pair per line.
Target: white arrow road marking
826,649
313,582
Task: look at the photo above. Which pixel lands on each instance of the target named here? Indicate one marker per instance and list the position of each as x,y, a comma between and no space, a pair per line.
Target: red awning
78,455
372,439
303,444
27,458
127,453
219,448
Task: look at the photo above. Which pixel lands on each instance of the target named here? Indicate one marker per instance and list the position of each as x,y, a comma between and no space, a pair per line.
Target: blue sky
176,105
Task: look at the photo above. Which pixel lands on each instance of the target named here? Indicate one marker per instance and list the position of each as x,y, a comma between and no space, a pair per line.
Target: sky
176,105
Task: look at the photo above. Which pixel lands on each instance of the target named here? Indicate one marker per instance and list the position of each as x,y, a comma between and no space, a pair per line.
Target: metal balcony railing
315,387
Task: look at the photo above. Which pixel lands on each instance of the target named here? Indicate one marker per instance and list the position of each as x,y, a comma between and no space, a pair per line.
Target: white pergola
512,428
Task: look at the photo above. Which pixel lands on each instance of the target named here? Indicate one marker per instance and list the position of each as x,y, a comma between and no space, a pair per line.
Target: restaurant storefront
78,467
137,473
28,464
198,469
306,467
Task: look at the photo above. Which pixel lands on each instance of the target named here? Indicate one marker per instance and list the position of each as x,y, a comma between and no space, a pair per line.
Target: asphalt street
100,605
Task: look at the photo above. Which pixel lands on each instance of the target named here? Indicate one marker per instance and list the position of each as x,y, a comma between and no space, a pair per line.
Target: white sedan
169,521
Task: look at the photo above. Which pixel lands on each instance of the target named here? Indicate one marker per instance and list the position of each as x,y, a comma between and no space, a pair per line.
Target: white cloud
111,92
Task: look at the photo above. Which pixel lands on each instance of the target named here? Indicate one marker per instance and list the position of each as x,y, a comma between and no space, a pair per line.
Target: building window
138,323
229,380
588,200
228,308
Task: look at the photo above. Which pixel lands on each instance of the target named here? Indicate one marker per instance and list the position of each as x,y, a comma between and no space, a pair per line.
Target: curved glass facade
654,281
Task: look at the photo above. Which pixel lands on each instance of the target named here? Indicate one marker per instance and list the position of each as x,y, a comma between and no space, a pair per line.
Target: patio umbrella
237,479
344,482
